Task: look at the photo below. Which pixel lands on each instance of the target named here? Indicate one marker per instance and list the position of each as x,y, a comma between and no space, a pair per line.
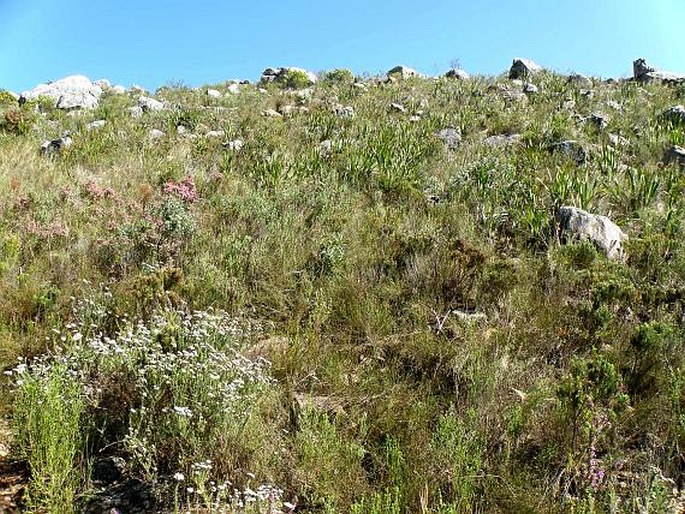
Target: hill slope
350,297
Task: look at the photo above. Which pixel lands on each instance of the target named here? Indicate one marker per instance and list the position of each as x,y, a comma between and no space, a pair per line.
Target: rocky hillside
334,294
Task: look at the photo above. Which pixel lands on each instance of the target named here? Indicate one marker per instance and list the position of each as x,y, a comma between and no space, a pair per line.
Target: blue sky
156,42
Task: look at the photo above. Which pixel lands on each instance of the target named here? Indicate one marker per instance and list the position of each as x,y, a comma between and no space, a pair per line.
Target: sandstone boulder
523,68
577,225
402,72
73,92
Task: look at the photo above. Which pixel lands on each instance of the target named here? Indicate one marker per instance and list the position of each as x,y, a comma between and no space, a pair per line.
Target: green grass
383,326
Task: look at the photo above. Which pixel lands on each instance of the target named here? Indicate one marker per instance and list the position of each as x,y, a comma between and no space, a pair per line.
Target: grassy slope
568,396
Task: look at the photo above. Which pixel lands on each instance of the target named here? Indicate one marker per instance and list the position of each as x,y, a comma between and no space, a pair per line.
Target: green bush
338,76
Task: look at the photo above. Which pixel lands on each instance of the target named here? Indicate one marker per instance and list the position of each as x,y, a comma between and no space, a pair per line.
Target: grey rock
155,134
235,146
119,90
343,111
469,317
213,93
599,120
643,72
397,107
56,145
215,134
510,96
149,104
615,140
451,137
132,496
456,73
182,130
530,89
675,114
579,80
500,140
136,111
414,118
571,149
675,154
326,146
523,68
271,113
73,92
402,72
108,470
577,225
234,89
95,125
286,110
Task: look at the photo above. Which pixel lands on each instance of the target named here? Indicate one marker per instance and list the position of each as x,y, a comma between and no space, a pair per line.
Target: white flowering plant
162,392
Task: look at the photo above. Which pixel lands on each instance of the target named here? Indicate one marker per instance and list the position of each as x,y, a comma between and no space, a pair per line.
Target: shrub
175,391
294,79
338,76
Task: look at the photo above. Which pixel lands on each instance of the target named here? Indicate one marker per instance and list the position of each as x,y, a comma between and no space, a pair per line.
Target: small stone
236,145
56,145
286,110
234,89
213,93
571,149
500,140
579,80
599,120
150,104
136,111
155,134
215,134
615,140
675,154
343,111
397,107
95,125
675,114
271,113
450,136
181,129
530,89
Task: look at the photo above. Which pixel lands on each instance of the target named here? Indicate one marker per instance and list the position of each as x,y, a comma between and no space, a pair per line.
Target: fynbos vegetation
447,295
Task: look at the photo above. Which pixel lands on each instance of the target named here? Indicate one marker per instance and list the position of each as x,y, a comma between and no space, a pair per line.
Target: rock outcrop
523,68
73,92
402,72
643,72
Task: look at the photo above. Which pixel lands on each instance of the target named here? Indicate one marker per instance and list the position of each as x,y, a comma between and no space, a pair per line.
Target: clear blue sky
155,42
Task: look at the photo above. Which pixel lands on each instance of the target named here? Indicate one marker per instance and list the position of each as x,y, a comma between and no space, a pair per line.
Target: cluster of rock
642,72
73,92
276,75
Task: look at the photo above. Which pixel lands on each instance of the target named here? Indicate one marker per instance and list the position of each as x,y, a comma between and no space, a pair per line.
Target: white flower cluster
185,377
